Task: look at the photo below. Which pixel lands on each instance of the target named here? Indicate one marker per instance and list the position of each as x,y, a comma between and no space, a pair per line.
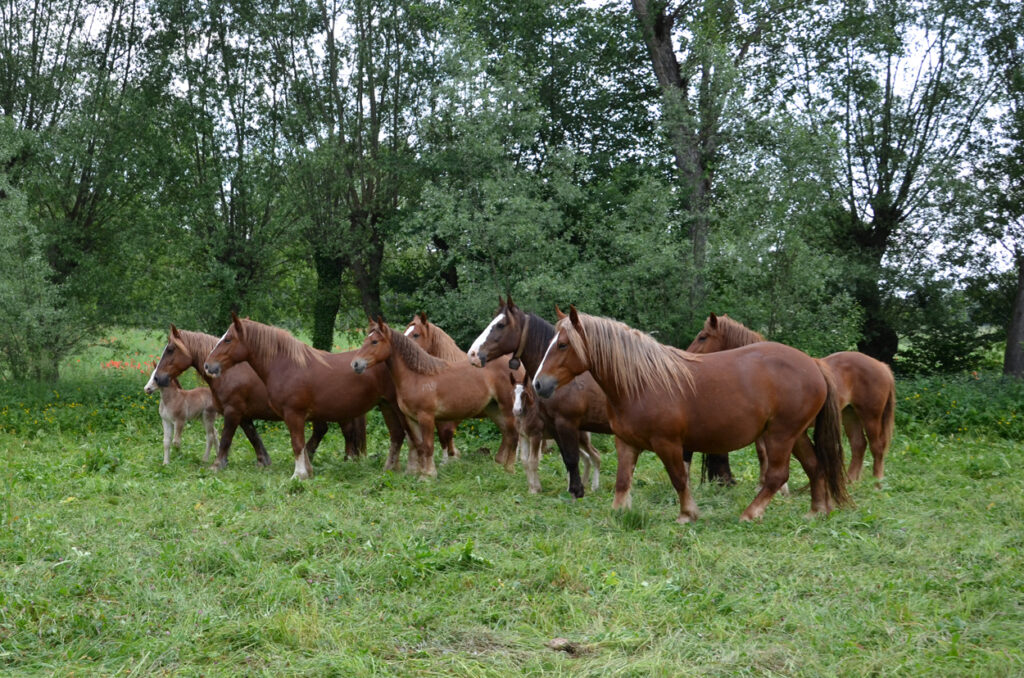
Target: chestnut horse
240,396
533,436
304,383
179,406
437,343
583,407
867,390
667,400
430,390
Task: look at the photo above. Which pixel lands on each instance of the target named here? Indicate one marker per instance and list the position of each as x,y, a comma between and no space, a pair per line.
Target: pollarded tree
905,85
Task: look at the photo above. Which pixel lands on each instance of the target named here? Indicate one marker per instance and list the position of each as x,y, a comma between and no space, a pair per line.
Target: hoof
685,519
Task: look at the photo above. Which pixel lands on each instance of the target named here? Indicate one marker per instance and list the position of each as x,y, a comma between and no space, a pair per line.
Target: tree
905,86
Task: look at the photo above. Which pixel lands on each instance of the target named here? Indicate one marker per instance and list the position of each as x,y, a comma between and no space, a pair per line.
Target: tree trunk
328,298
1013,359
366,263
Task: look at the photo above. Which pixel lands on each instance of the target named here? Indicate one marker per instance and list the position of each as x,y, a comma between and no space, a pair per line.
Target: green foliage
975,404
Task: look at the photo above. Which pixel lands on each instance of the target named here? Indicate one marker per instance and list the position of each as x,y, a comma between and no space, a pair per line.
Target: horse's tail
828,443
889,415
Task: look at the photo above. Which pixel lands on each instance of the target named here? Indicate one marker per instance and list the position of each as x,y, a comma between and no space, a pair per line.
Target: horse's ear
558,312
509,302
237,322
712,321
423,317
574,318
174,331
380,320
501,302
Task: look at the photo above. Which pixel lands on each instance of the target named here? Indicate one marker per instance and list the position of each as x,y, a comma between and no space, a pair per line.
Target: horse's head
524,398
505,334
709,339
173,361
418,330
230,350
376,347
151,386
566,355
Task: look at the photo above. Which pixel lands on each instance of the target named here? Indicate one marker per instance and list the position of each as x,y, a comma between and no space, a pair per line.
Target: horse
178,406
430,389
867,391
667,400
533,438
304,383
437,343
240,396
581,407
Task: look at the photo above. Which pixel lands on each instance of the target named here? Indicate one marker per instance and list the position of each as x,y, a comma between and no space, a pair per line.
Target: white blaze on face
478,343
151,384
517,406
409,330
540,370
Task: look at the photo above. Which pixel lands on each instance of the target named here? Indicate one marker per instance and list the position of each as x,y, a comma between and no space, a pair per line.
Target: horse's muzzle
359,365
477,359
545,385
162,380
212,370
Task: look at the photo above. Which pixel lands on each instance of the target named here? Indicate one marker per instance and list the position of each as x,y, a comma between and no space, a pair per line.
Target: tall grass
112,564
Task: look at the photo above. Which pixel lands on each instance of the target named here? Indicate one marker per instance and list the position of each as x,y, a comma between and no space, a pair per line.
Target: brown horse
437,343
533,436
430,390
304,383
867,390
240,396
667,400
581,407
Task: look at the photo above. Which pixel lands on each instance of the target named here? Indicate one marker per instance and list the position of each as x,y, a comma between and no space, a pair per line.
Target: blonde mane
414,357
441,345
734,334
634,360
266,342
198,344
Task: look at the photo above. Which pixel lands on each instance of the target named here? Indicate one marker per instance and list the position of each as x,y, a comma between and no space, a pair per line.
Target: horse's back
860,377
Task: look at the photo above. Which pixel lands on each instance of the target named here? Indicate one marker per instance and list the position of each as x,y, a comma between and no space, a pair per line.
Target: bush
973,404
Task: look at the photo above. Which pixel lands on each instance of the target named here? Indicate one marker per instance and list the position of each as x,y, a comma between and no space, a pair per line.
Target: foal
178,406
533,438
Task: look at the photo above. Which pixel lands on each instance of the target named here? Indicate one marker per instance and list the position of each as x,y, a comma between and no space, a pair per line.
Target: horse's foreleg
397,427
319,431
210,422
567,437
854,428
179,426
446,437
671,455
627,455
509,443
530,447
426,446
762,463
354,431
168,434
296,424
249,429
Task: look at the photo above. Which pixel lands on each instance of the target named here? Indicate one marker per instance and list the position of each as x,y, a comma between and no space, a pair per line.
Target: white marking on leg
517,406
479,341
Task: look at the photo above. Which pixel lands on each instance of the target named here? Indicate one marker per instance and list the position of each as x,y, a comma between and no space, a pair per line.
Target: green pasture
112,564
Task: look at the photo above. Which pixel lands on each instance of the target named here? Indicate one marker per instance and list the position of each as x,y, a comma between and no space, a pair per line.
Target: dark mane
414,357
539,336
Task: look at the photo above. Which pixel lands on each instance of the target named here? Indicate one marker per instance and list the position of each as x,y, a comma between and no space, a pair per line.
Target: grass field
111,564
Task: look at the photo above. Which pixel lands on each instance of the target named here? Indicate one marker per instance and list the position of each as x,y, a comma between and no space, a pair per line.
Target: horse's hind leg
397,429
876,439
777,454
762,462
567,437
627,455
209,422
803,450
854,428
530,445
446,437
593,457
679,473
354,431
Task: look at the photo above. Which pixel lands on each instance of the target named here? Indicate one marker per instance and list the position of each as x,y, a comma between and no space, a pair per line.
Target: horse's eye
169,350
227,340
562,346
416,335
501,326
702,338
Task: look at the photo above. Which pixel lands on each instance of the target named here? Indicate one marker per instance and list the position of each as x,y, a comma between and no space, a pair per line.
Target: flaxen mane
266,343
734,334
633,359
196,344
442,346
414,357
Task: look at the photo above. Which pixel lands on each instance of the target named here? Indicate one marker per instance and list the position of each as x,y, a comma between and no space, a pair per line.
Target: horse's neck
531,357
198,354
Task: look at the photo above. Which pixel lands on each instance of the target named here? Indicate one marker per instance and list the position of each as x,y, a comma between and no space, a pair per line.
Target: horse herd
729,389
